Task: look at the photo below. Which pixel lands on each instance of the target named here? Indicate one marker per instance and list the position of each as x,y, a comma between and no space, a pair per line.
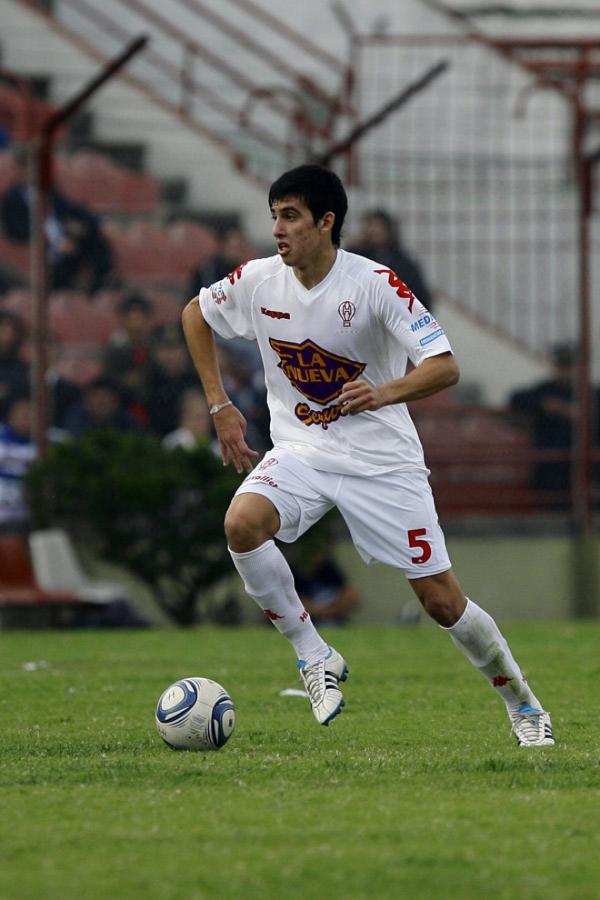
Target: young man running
336,331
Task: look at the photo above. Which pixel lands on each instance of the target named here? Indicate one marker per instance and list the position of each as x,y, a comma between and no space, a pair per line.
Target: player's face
299,239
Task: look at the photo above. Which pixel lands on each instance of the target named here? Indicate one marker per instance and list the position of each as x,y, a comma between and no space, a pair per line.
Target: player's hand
231,428
359,396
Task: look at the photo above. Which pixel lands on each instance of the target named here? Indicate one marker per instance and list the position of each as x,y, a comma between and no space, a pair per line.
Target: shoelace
314,679
528,722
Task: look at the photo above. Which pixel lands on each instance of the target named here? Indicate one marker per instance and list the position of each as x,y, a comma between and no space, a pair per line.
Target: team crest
218,294
346,311
315,372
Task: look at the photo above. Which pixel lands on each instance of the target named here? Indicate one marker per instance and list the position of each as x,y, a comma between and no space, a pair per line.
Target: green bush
159,513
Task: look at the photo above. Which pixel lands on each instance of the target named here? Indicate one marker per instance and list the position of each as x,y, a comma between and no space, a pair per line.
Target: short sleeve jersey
360,322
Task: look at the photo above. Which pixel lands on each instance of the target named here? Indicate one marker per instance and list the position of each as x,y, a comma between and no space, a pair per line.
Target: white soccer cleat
532,727
321,681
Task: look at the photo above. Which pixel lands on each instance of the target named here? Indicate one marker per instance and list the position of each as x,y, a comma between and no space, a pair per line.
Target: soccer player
335,331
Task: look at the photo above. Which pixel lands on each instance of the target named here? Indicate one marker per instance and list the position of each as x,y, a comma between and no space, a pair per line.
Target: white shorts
391,518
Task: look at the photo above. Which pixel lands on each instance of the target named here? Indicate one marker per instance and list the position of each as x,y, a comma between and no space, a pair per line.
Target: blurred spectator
550,410
9,280
195,424
100,407
324,590
245,385
233,250
17,452
169,373
14,371
79,255
63,394
379,240
127,356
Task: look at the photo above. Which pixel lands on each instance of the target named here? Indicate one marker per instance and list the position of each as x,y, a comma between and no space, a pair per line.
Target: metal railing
215,92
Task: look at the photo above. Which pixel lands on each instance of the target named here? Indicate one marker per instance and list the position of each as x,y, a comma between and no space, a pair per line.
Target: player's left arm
432,375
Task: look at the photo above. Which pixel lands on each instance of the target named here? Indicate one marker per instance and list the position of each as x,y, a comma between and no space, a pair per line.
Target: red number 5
415,539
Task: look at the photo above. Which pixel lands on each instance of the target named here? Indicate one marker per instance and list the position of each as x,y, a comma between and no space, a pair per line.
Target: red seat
18,300
94,180
22,113
191,244
15,256
18,586
143,253
139,193
75,318
80,370
7,170
167,309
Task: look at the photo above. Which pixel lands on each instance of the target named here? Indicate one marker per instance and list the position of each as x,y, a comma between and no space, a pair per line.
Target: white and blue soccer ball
195,714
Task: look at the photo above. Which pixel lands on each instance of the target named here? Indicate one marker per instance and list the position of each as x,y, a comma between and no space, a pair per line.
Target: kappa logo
273,616
236,274
402,289
318,374
274,313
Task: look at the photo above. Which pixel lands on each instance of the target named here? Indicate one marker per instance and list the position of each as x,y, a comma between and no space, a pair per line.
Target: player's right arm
230,424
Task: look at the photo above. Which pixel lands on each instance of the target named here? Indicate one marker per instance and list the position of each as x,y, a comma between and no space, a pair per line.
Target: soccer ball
195,714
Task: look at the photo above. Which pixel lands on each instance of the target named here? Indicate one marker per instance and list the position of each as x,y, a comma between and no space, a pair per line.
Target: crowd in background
146,380
146,383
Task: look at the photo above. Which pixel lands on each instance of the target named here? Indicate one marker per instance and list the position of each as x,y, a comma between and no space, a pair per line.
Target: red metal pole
381,114
41,178
582,481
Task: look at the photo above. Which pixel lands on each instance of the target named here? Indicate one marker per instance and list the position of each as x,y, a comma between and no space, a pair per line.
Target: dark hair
564,354
168,336
135,301
380,215
103,383
19,395
319,188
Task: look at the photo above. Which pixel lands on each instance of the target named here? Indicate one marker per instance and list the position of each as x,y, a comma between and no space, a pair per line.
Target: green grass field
416,791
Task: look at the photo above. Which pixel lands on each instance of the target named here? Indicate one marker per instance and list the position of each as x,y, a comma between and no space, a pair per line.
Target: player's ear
327,221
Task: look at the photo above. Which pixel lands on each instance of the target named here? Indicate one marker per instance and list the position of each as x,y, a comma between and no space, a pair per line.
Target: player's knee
442,609
441,598
241,531
246,527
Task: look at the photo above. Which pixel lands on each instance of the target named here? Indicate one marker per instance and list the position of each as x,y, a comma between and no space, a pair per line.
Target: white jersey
360,322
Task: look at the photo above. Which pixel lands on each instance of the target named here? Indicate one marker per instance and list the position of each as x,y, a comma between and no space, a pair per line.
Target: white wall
485,359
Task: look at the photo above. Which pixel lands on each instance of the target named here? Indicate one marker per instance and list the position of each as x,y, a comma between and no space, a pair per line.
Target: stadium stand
481,461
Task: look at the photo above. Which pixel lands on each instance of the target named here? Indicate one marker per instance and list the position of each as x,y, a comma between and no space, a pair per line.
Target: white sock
268,579
480,639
